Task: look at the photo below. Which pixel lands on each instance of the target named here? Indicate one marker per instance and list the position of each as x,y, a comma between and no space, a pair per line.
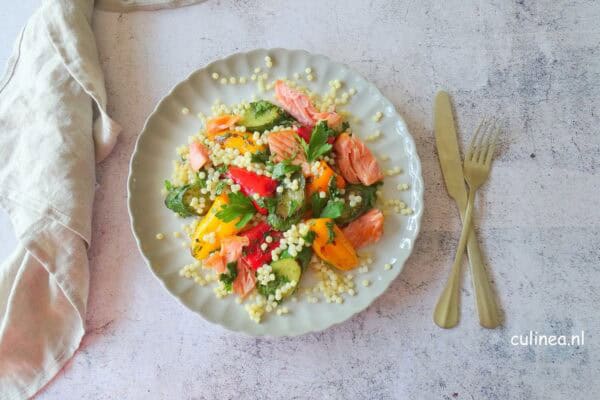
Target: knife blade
451,163
448,153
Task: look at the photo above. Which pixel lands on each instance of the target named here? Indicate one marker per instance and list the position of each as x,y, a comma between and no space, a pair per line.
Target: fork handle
446,313
487,308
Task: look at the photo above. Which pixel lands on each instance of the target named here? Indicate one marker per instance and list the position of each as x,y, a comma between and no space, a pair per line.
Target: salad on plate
275,189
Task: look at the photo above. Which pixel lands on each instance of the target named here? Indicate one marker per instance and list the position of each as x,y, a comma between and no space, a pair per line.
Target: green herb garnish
284,168
283,224
317,204
271,287
260,157
239,206
309,238
344,127
219,187
330,232
229,277
333,209
317,145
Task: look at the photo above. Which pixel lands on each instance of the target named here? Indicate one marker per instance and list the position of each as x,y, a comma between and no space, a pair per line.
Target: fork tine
485,141
492,147
479,144
471,149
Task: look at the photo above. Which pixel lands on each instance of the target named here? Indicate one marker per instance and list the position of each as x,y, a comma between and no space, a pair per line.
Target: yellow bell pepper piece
321,183
201,248
337,251
242,141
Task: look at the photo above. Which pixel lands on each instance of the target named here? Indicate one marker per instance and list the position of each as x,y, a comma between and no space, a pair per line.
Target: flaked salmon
356,162
285,145
366,229
231,250
299,106
221,123
245,280
199,155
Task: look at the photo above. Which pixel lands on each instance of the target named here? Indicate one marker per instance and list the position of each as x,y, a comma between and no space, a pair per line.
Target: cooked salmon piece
199,155
231,250
285,145
215,261
231,247
298,105
356,162
366,229
221,123
245,280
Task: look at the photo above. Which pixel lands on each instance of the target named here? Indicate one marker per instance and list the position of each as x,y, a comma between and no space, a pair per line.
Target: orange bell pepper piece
331,245
321,183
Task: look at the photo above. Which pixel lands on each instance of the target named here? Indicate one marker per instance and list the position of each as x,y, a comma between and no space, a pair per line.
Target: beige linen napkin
48,148
53,128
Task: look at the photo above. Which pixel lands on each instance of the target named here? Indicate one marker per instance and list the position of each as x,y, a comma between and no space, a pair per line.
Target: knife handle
487,308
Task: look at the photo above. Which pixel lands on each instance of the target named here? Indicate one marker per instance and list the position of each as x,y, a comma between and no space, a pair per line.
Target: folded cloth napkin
53,128
48,148
141,5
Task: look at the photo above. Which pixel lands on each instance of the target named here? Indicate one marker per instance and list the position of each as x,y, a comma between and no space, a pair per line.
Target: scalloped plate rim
417,174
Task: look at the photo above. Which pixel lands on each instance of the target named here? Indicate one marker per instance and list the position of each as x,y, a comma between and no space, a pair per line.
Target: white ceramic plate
168,127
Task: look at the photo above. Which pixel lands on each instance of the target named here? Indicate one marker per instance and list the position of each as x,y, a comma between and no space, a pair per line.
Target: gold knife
450,161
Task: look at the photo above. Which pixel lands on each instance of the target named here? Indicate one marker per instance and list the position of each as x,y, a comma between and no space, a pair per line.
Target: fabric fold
49,144
141,5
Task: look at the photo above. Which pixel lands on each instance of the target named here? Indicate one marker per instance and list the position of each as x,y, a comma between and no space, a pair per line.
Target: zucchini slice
263,115
287,268
179,198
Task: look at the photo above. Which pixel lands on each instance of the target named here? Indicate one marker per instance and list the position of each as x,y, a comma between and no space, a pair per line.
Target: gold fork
477,165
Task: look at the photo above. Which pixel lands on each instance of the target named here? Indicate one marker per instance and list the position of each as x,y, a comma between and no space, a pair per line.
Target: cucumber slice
263,115
285,271
288,207
288,269
178,200
290,202
303,257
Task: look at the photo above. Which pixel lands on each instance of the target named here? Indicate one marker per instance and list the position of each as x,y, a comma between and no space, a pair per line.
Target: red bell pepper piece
251,183
256,234
305,132
256,257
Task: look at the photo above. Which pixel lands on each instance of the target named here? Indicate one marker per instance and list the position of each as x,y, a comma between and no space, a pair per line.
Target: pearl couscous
276,189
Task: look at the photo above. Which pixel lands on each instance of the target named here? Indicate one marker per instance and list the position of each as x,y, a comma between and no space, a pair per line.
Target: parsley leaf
333,209
330,231
260,157
283,224
239,206
261,107
317,204
303,257
310,237
168,185
332,187
229,277
318,145
284,168
271,287
219,187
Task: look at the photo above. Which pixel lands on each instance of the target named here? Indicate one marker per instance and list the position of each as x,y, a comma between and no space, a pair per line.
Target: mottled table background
534,64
